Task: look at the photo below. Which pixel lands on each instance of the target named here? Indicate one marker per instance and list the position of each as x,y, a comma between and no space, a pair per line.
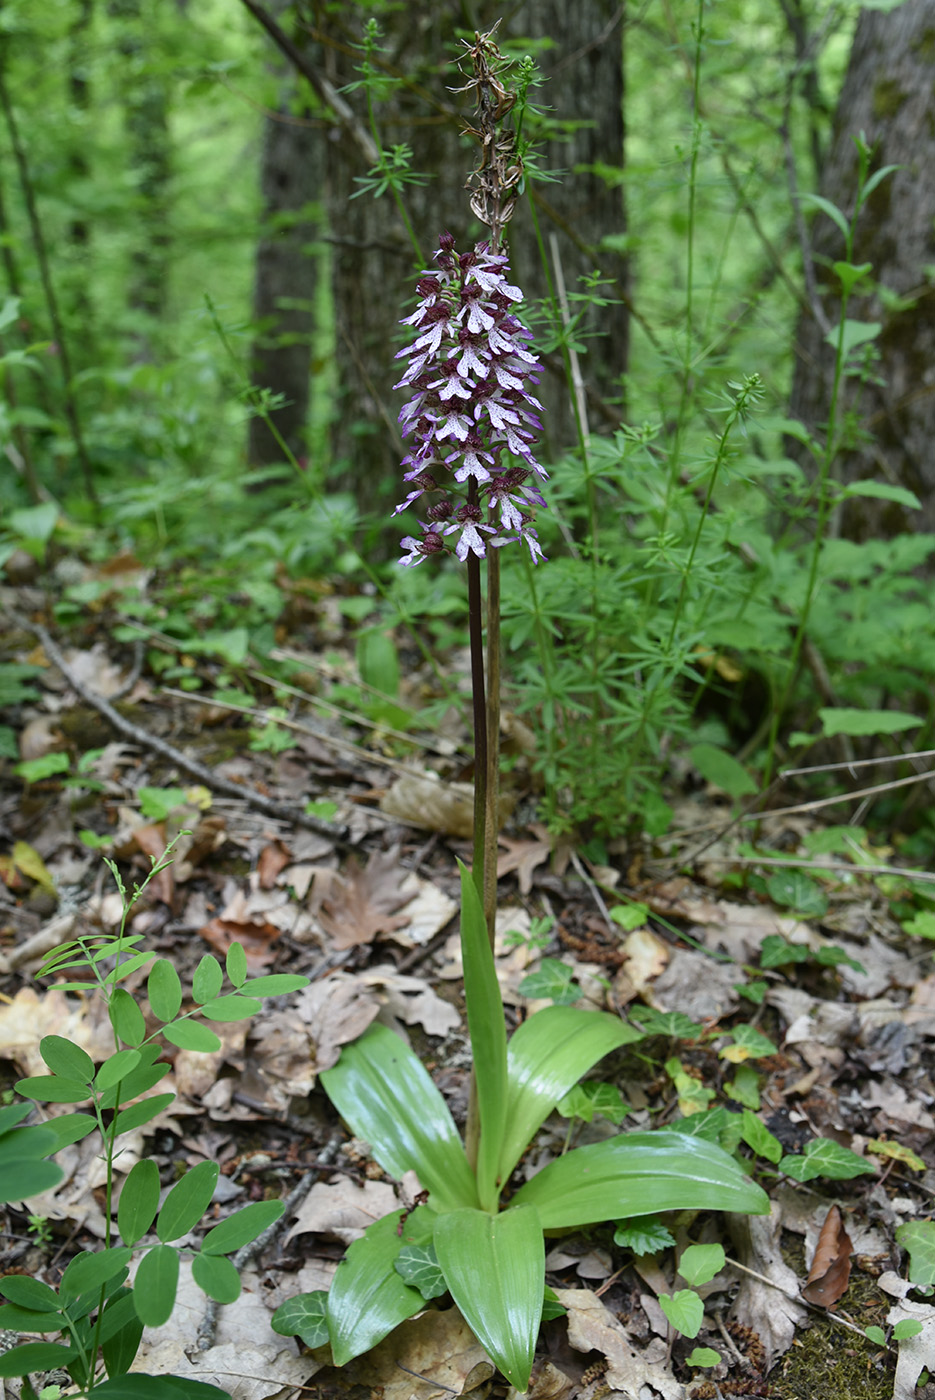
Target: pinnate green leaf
187,1202
89,1271
208,979
143,1112
236,964
29,1293
241,1227
232,1007
127,1018
66,1059
165,990
156,1284
276,984
117,1067
139,1201
216,1276
192,1035
35,1356
51,1088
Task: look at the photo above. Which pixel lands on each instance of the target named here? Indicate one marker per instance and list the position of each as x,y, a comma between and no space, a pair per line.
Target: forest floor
360,896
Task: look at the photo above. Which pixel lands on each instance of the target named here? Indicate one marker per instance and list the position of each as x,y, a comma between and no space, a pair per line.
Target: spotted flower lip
470,372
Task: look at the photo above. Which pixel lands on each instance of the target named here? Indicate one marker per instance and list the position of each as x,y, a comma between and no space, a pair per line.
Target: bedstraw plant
473,420
98,1314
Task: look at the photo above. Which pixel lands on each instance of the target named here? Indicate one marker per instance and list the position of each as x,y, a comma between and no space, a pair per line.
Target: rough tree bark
887,94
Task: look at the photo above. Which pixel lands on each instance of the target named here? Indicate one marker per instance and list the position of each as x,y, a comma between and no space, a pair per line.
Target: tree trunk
887,94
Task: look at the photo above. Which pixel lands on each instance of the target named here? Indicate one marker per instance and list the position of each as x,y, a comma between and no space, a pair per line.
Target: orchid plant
473,418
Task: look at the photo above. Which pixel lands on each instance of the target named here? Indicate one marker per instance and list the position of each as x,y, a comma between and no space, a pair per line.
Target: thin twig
293,815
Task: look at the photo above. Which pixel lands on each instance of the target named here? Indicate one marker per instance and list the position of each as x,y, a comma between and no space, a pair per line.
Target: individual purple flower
471,373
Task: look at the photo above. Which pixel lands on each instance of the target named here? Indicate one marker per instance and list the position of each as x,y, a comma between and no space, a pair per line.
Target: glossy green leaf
547,1055
139,1201
65,1058
216,1276
368,1298
640,1174
241,1227
156,1284
383,1091
417,1265
165,990
192,1035
127,1018
759,1138
304,1316
35,1356
825,1157
488,1038
208,979
494,1266
917,1237
187,1202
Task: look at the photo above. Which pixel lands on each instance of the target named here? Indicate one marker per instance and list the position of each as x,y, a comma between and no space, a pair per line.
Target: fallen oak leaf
255,938
274,857
831,1267
363,903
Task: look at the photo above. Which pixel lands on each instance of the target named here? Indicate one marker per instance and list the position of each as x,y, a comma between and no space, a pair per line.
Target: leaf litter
370,920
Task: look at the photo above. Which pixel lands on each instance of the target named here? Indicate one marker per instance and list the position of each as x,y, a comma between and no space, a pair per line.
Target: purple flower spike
470,371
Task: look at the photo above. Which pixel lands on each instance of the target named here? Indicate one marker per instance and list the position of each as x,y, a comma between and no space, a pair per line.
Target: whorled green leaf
488,1038
494,1266
304,1316
639,1174
383,1091
547,1055
368,1298
156,1284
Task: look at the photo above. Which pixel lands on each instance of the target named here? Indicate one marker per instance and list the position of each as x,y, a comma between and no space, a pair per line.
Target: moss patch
888,97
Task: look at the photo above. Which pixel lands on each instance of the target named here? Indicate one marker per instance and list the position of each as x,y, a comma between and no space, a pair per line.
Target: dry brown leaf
427,802
772,1312
440,1356
592,1327
196,1071
645,957
831,1267
696,985
343,1209
525,856
151,839
255,939
29,1017
275,856
363,903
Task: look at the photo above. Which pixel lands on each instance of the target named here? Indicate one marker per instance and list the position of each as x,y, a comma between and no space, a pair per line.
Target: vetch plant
477,1237
100,1317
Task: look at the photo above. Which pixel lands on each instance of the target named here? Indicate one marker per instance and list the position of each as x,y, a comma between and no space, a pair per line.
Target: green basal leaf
368,1298
216,1276
547,1055
139,1201
495,1269
384,1093
639,1174
156,1284
488,1038
306,1317
241,1227
165,990
138,1386
187,1202
66,1059
208,979
685,1311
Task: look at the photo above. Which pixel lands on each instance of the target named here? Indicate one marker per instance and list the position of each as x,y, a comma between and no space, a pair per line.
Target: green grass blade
548,1054
640,1174
494,1266
382,1090
488,1038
